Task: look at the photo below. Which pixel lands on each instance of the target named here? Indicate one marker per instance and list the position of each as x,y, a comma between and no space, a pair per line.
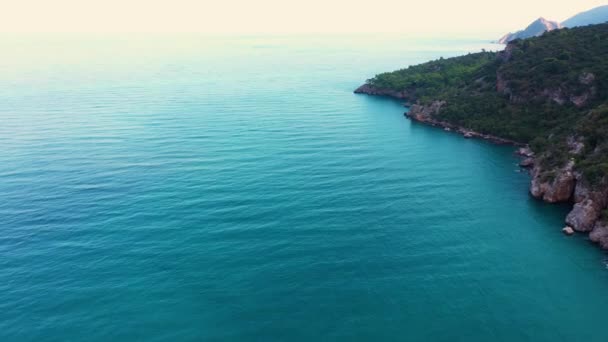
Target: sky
282,16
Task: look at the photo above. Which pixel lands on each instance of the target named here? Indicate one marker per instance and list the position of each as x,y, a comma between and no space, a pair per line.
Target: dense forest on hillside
544,91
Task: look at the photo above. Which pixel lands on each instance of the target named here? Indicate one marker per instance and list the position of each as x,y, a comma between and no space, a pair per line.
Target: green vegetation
436,78
543,91
593,129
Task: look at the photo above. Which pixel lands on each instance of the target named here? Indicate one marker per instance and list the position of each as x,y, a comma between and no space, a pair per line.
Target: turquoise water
234,189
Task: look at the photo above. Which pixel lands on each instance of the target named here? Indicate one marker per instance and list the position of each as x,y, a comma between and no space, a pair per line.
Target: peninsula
547,94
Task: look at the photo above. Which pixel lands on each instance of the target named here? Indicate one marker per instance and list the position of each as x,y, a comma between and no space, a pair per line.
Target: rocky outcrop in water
565,185
553,186
583,215
588,205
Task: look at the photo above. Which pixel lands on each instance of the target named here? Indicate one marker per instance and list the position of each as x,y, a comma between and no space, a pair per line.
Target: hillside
550,92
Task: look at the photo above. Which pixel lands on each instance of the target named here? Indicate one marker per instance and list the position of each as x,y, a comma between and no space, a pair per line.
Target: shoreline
423,114
466,133
568,186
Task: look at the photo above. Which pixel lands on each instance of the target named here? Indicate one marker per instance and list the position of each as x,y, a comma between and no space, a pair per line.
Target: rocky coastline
425,114
371,90
556,185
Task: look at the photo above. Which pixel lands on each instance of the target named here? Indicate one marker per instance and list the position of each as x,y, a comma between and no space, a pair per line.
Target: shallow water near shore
235,189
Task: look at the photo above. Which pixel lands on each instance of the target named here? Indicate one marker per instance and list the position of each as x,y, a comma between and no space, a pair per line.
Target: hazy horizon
430,17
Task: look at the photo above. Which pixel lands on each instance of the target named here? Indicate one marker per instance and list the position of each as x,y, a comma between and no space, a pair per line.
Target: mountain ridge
597,15
593,16
535,29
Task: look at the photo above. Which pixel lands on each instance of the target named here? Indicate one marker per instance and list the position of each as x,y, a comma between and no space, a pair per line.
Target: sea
189,187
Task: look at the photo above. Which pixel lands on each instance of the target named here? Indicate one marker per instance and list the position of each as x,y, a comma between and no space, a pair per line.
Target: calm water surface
234,189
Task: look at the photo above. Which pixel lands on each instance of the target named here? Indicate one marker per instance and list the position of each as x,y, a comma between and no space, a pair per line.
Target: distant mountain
593,16
597,15
537,28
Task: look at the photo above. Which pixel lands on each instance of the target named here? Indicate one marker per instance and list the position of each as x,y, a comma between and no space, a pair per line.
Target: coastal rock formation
583,215
425,113
588,205
565,185
599,234
584,191
526,163
553,186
